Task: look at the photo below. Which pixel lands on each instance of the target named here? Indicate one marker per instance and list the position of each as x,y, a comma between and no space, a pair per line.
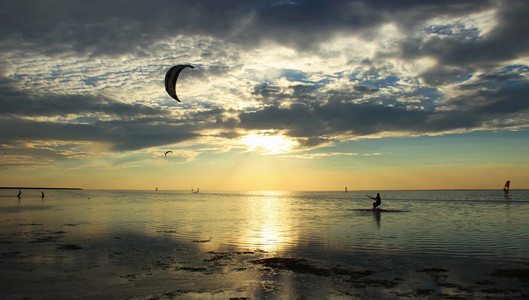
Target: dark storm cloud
116,27
126,26
507,74
304,25
121,135
19,103
336,118
508,40
441,75
510,99
366,88
327,116
90,118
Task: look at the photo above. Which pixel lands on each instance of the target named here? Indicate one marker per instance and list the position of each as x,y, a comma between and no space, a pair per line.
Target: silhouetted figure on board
377,199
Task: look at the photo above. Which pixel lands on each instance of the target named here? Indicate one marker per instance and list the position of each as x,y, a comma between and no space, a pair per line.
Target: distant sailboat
506,188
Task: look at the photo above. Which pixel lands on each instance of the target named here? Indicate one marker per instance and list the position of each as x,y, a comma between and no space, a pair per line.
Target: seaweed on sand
416,293
369,282
520,274
218,256
432,270
357,278
45,239
192,269
298,265
301,265
69,247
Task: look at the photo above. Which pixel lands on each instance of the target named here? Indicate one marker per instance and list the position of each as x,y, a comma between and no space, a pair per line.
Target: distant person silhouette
19,193
377,199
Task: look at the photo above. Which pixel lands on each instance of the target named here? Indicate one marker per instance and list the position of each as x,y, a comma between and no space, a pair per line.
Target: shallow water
456,223
332,228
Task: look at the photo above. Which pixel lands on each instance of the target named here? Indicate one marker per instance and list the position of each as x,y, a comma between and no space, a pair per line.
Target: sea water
324,225
180,245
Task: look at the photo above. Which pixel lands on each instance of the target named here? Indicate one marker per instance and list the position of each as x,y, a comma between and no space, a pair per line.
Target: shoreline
194,273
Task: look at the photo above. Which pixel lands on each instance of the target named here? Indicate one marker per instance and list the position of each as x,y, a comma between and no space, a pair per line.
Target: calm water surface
330,226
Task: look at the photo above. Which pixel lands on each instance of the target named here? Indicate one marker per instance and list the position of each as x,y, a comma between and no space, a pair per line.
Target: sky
285,95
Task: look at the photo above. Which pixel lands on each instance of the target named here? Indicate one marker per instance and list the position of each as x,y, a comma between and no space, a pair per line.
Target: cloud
121,135
459,43
90,118
327,154
504,101
331,116
18,103
129,27
114,29
317,71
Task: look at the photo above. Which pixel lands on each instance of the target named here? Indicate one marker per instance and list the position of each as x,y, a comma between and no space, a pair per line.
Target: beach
89,244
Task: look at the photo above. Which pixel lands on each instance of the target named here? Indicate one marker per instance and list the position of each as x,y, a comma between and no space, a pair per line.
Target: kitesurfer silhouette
377,199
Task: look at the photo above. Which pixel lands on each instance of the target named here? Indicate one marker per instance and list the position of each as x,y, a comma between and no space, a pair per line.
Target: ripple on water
460,223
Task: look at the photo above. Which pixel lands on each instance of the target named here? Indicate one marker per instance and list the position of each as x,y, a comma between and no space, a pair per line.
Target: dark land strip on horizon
36,188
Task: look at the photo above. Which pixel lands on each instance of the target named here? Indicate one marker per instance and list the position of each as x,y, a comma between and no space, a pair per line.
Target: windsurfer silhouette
377,199
506,189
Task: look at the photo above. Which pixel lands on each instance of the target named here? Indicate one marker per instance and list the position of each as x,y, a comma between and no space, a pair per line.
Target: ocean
116,233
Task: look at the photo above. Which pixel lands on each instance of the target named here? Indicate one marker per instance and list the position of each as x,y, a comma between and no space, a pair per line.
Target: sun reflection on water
270,224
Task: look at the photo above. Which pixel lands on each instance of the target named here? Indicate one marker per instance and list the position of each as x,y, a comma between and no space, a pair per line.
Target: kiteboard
378,210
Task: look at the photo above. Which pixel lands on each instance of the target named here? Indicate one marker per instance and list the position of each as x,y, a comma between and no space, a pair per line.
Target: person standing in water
377,202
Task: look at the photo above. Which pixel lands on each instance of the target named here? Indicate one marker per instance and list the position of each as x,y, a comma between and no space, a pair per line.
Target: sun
268,143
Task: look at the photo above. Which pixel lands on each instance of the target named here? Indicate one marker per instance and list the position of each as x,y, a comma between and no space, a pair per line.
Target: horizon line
278,190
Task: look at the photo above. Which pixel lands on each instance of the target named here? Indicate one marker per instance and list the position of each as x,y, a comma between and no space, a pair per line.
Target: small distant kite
171,77
166,152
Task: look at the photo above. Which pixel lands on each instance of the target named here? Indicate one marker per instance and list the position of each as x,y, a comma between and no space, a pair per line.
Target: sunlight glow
268,144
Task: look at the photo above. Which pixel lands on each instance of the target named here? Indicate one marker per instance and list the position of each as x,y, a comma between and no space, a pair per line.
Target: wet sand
45,263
